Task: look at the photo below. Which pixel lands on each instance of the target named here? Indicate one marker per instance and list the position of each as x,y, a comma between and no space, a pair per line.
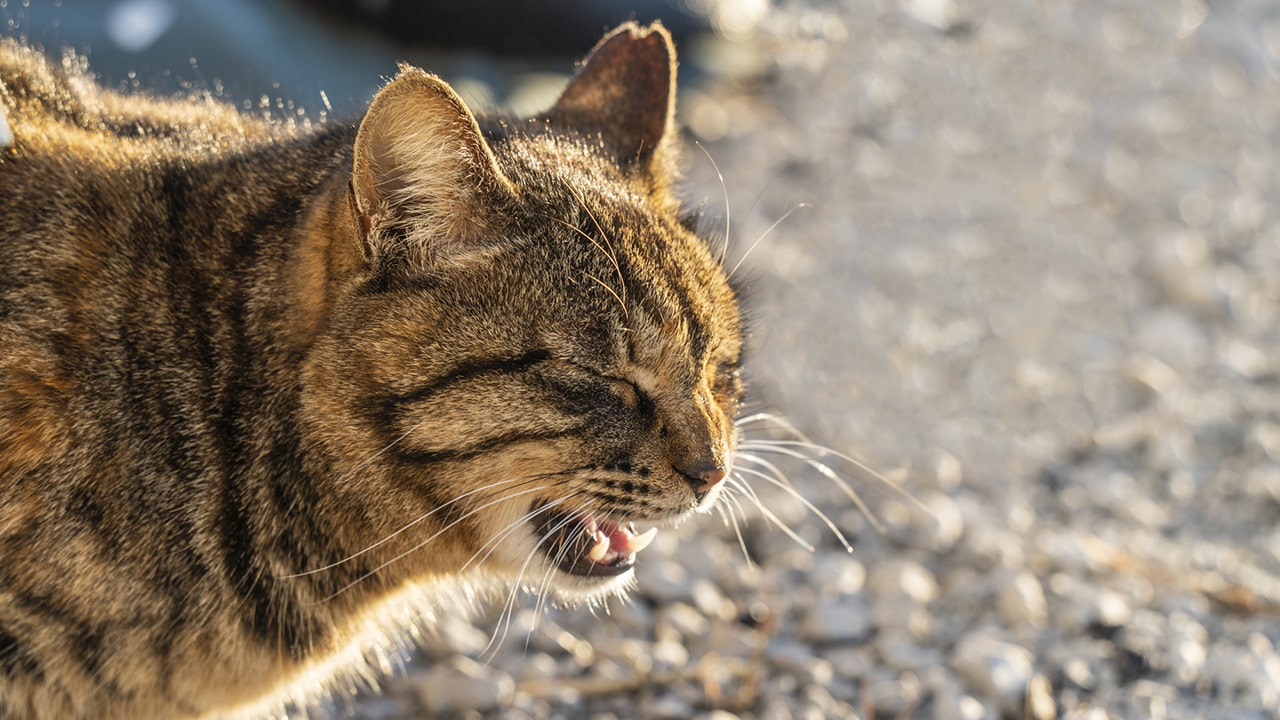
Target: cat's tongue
612,543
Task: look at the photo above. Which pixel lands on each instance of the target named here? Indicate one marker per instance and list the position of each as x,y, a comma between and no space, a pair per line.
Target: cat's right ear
625,94
424,184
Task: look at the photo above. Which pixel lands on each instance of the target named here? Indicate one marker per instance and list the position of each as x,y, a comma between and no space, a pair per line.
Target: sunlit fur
271,394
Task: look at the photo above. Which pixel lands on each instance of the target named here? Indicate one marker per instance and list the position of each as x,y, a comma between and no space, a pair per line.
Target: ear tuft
625,93
424,180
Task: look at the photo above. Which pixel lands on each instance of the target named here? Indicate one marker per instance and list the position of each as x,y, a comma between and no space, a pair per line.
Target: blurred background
1032,276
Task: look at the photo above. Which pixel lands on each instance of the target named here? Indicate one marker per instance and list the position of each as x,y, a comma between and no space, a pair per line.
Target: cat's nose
703,476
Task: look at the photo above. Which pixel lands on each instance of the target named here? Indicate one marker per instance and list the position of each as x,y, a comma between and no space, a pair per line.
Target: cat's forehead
543,159
658,291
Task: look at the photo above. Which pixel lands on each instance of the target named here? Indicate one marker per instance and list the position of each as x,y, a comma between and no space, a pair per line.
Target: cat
271,394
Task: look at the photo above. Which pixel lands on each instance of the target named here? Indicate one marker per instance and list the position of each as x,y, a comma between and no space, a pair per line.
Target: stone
995,669
900,651
1022,602
903,579
664,580
1040,703
951,702
840,621
841,573
461,685
667,706
941,15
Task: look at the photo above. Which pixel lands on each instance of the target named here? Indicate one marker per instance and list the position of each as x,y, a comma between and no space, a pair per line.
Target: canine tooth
599,549
640,542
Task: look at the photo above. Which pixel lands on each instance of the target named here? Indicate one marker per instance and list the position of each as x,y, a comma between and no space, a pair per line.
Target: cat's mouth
588,546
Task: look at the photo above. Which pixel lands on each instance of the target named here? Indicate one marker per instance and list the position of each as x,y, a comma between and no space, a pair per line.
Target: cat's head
526,349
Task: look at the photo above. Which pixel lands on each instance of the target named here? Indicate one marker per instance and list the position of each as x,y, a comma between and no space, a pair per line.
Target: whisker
424,543
737,530
744,453
554,563
724,251
750,493
611,253
765,234
503,625
793,493
830,474
406,526
615,295
782,422
622,283
777,445
492,543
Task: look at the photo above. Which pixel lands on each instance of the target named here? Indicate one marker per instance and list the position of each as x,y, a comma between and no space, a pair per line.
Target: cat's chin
572,590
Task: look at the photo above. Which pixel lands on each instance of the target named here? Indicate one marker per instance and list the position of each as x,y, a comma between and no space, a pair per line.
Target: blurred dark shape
509,27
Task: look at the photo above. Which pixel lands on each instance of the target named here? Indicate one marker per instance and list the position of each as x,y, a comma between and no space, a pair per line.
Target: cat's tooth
642,541
599,549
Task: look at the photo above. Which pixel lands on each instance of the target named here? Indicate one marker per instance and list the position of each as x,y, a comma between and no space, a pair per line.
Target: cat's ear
626,93
424,184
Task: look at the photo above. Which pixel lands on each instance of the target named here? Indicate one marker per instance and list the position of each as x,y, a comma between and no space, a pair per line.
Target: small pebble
1040,703
845,620
996,670
461,685
1022,601
941,15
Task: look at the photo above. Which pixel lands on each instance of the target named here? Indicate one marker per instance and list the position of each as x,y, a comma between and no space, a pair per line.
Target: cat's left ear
424,185
626,94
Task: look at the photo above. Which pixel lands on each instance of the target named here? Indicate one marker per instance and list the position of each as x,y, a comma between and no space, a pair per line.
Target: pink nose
703,477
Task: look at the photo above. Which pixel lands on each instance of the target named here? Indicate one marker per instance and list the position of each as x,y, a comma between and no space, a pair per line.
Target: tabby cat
271,394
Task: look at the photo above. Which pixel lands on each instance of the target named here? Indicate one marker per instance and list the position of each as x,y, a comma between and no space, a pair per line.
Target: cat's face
534,358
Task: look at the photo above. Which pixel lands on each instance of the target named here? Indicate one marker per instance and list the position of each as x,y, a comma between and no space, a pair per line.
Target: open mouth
588,546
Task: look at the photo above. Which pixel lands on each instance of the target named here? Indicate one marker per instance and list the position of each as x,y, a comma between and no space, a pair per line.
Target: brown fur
266,391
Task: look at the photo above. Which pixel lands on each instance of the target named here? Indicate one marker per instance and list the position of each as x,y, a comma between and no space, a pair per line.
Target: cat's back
59,105
96,192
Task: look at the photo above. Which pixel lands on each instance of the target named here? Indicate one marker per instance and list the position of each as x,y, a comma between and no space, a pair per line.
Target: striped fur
268,394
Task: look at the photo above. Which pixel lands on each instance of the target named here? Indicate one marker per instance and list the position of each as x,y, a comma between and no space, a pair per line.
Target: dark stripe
471,369
262,599
84,640
578,396
243,567
86,644
15,661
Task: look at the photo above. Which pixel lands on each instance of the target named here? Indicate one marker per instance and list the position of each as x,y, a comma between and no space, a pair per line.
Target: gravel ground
1035,282
1039,287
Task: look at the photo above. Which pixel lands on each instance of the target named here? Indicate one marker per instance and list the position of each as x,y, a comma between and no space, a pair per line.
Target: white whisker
765,234
750,493
503,625
732,494
782,423
610,253
830,474
613,258
552,566
776,482
610,290
426,542
403,528
861,466
724,251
